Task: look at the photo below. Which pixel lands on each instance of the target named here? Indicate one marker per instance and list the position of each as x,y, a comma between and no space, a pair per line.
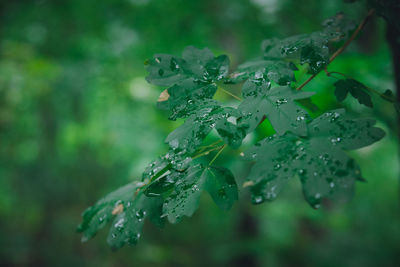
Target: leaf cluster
312,149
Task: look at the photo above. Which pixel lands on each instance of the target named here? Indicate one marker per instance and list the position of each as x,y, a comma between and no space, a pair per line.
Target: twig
342,48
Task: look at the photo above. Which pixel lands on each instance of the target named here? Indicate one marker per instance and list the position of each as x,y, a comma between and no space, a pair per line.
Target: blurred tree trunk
247,232
393,38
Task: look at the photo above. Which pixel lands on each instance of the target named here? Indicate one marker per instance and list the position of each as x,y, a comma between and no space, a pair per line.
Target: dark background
78,120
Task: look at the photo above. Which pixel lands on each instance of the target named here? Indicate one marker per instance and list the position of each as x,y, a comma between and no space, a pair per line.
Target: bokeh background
78,120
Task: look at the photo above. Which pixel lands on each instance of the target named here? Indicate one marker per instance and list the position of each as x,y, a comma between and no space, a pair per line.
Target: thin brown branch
343,47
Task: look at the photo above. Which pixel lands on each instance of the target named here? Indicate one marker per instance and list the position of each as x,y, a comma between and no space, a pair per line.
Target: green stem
229,93
206,152
202,148
217,155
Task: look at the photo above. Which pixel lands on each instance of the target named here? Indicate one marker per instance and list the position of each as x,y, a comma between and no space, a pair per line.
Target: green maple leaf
196,127
277,104
229,129
309,48
279,72
128,209
319,159
195,63
183,198
355,88
338,27
209,114
191,78
172,160
184,98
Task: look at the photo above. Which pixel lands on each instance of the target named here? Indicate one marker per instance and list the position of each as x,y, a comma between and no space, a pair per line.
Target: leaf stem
342,48
212,144
217,155
229,93
206,152
202,148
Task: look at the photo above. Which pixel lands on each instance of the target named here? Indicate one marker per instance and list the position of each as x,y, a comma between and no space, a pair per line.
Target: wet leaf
338,27
309,48
191,79
184,198
279,72
318,160
228,128
196,127
186,97
277,104
127,208
221,186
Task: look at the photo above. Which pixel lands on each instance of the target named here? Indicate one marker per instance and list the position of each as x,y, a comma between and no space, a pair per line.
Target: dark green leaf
229,130
196,127
208,115
191,78
338,27
279,72
309,48
277,104
184,200
222,187
165,70
184,98
127,226
318,159
128,207
355,88
195,63
173,160
185,197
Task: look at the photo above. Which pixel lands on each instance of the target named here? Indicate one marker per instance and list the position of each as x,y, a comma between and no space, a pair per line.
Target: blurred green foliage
77,120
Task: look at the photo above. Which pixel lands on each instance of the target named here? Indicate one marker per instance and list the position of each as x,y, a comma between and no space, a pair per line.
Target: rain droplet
140,214
281,101
195,188
258,199
258,75
174,65
277,166
301,172
119,224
